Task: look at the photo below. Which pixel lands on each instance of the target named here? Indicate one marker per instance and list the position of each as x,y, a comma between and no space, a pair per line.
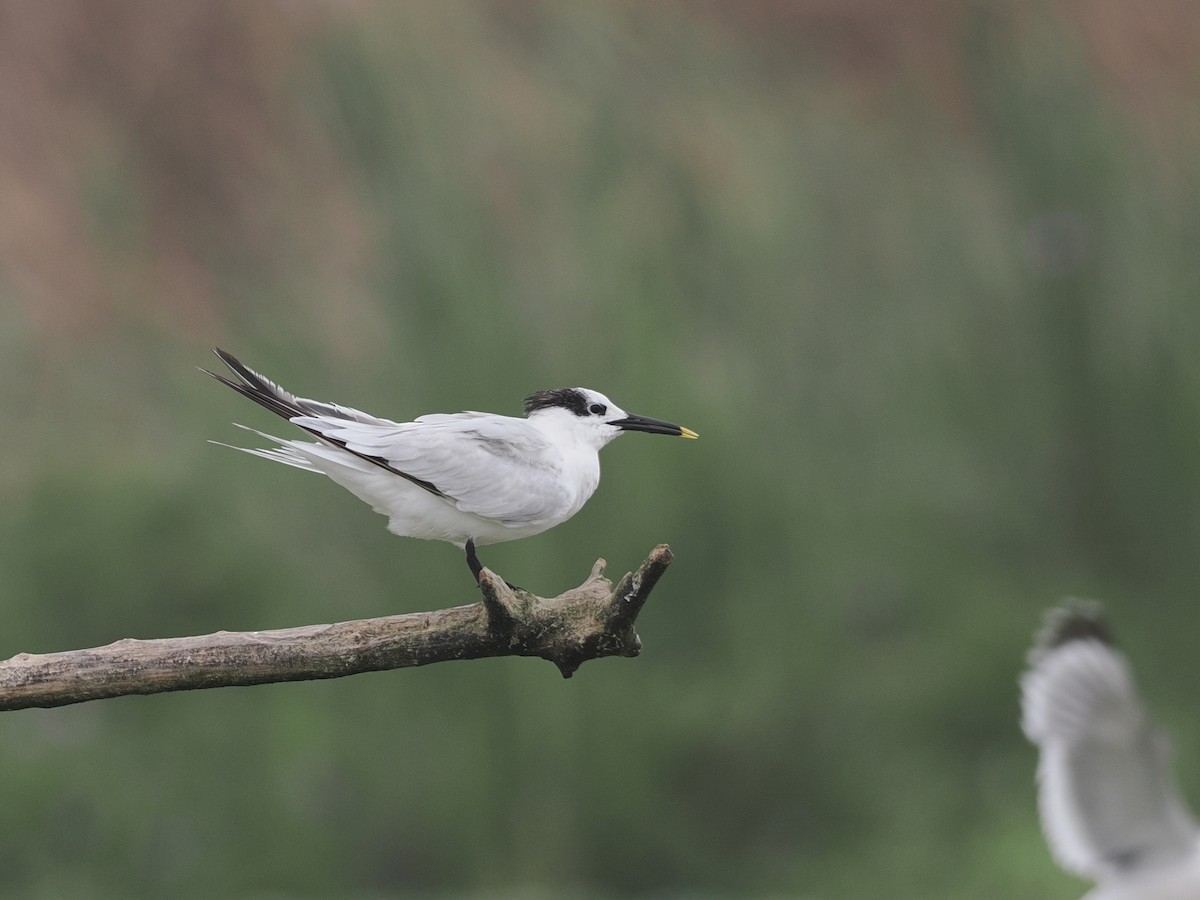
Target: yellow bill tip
687,433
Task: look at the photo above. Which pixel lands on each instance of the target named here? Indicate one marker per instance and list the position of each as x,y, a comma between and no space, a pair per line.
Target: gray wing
493,466
1107,799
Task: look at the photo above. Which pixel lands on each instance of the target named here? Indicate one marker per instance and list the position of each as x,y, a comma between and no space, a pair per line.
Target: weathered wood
591,621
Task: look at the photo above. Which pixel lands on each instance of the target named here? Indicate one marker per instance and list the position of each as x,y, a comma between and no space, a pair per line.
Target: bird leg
476,566
473,560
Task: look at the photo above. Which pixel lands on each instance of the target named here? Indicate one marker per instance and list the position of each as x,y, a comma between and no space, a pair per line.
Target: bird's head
592,417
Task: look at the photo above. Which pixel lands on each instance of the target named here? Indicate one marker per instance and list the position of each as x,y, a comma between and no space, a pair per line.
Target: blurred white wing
1108,803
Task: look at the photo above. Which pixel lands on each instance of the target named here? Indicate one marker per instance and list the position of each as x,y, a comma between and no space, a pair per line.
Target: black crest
1076,620
568,398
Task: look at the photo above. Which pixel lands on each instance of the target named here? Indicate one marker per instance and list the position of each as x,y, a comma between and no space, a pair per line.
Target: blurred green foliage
944,372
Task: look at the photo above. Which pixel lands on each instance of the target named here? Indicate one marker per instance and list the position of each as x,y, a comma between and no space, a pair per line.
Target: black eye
597,409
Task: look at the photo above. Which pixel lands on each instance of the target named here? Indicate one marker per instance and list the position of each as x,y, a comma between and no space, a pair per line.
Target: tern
470,478
1110,808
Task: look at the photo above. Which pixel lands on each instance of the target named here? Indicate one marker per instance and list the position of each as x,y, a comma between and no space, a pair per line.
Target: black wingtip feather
267,395
254,386
244,372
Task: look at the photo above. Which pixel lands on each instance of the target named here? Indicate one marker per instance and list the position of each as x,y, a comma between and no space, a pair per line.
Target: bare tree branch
588,622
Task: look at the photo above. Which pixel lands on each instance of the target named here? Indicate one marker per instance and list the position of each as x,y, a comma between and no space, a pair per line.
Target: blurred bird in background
1110,808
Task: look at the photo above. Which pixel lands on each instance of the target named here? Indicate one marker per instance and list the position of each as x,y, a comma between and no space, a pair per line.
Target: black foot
476,566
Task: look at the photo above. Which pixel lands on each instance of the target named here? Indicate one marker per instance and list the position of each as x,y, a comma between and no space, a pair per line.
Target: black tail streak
256,393
263,393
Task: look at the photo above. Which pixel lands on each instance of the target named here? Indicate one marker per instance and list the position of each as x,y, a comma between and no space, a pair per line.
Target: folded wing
492,466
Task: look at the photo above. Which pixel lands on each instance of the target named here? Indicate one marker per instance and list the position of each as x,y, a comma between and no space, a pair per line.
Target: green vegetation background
925,283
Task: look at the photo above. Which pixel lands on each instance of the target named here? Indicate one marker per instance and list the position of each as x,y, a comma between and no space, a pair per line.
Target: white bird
470,478
1110,808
